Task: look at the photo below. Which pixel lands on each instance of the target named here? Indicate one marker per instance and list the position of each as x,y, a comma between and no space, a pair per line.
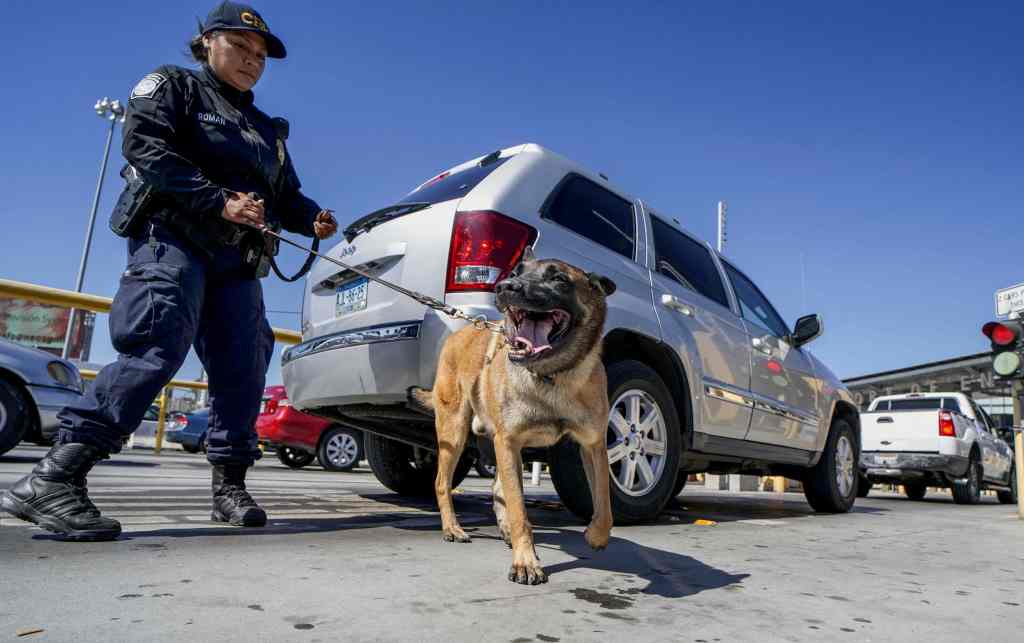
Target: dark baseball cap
232,16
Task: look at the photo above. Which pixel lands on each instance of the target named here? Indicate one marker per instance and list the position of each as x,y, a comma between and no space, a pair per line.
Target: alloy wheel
342,450
637,439
845,469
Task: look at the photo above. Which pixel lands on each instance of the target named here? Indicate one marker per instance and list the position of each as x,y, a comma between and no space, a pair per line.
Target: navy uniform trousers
172,297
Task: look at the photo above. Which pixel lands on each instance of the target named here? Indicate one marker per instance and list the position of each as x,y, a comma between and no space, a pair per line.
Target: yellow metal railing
95,303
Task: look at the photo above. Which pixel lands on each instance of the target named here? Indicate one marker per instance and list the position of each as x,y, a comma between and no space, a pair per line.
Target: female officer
216,164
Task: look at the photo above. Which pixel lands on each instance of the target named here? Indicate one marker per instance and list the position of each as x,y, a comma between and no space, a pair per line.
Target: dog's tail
420,399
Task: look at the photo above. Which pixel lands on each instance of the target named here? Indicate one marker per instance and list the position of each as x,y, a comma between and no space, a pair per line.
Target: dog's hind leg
452,433
595,465
525,568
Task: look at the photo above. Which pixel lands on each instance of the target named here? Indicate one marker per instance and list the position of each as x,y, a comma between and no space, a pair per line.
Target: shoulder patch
148,86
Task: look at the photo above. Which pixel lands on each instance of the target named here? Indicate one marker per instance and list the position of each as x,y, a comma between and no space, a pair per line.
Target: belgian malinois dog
542,380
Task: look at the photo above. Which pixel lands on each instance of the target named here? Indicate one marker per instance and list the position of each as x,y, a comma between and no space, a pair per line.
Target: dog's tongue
534,332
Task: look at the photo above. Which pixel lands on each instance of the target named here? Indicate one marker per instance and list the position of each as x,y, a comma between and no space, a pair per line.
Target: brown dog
543,380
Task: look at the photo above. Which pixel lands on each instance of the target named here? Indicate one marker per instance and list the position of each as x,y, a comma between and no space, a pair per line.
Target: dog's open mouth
531,333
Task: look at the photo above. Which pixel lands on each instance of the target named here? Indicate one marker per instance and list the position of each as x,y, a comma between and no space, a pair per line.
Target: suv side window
686,261
754,305
595,213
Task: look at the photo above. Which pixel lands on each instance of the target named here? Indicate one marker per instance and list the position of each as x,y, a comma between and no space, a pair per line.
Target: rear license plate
887,459
352,297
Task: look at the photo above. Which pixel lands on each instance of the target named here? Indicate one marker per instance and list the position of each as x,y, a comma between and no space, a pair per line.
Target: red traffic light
1000,334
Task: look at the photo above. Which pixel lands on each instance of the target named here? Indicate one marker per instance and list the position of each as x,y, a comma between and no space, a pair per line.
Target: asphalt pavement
343,558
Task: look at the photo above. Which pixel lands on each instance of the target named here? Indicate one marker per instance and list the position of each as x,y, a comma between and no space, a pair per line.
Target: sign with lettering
1010,300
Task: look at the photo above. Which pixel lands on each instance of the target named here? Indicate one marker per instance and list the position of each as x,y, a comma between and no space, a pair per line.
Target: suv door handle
676,304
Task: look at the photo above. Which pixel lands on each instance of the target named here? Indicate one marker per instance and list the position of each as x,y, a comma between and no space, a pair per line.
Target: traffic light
1007,348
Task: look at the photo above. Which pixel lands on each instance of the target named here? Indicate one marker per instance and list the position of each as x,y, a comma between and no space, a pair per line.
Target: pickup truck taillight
485,248
946,427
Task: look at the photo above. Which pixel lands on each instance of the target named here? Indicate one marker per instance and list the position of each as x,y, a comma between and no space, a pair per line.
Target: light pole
113,111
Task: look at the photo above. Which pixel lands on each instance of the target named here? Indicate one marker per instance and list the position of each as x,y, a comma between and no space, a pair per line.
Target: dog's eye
559,277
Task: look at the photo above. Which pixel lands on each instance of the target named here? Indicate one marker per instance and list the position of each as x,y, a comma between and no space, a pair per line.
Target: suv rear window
595,213
453,186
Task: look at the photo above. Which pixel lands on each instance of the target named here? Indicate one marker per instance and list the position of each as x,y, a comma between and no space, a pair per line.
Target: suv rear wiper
377,217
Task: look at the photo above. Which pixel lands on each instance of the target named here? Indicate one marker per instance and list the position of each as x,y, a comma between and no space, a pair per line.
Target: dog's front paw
456,535
596,537
527,573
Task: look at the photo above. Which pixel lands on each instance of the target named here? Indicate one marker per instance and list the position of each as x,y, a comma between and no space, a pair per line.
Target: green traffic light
1006,364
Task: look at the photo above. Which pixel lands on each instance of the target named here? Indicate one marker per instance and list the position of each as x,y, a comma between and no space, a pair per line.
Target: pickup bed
934,440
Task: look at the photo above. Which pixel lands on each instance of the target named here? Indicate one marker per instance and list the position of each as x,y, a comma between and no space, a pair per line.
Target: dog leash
479,321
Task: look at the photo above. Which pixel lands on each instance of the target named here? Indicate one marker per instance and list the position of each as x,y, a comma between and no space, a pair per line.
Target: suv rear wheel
644,445
407,470
14,420
831,485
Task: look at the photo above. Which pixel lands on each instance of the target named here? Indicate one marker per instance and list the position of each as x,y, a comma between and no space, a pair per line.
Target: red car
298,437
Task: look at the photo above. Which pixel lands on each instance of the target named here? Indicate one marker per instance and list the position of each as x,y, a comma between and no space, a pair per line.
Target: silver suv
704,375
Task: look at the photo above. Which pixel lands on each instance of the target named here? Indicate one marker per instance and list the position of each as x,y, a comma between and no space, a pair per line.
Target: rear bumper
49,401
879,466
377,367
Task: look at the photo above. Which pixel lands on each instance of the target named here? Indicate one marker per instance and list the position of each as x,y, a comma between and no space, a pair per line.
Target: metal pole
1018,446
158,441
88,235
722,208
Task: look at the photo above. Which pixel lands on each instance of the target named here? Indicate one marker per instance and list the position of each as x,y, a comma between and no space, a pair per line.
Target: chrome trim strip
727,396
733,397
347,339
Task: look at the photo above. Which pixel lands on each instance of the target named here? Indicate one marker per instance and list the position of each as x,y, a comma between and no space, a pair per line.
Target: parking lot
344,558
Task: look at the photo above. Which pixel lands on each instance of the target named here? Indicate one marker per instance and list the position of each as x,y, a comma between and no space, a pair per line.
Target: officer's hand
324,226
241,208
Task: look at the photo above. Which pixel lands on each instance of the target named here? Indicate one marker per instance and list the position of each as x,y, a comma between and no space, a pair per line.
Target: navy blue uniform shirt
192,136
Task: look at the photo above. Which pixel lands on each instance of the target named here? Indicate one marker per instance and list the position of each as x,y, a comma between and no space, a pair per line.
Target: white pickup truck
922,440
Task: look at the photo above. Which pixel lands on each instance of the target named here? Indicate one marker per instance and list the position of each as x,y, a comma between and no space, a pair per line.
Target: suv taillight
178,422
946,426
485,247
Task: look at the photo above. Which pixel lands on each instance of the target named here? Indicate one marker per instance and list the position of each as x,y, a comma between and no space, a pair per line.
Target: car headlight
65,375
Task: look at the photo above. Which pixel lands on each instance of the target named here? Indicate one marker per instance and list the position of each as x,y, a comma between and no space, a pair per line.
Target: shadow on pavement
668,574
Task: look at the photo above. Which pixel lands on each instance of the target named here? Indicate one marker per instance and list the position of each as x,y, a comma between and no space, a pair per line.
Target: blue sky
882,142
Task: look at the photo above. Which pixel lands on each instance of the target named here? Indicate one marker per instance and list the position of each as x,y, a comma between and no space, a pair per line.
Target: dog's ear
528,255
602,283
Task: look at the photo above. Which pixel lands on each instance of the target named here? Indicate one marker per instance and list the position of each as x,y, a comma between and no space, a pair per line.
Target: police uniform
191,137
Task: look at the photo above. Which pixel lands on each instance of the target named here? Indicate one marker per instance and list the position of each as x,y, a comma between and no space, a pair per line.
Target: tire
341,449
14,416
406,470
967,490
831,485
863,486
189,449
293,458
1009,497
915,490
634,498
484,469
680,483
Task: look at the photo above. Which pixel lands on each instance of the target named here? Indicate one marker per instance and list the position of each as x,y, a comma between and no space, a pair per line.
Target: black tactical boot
54,496
231,502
